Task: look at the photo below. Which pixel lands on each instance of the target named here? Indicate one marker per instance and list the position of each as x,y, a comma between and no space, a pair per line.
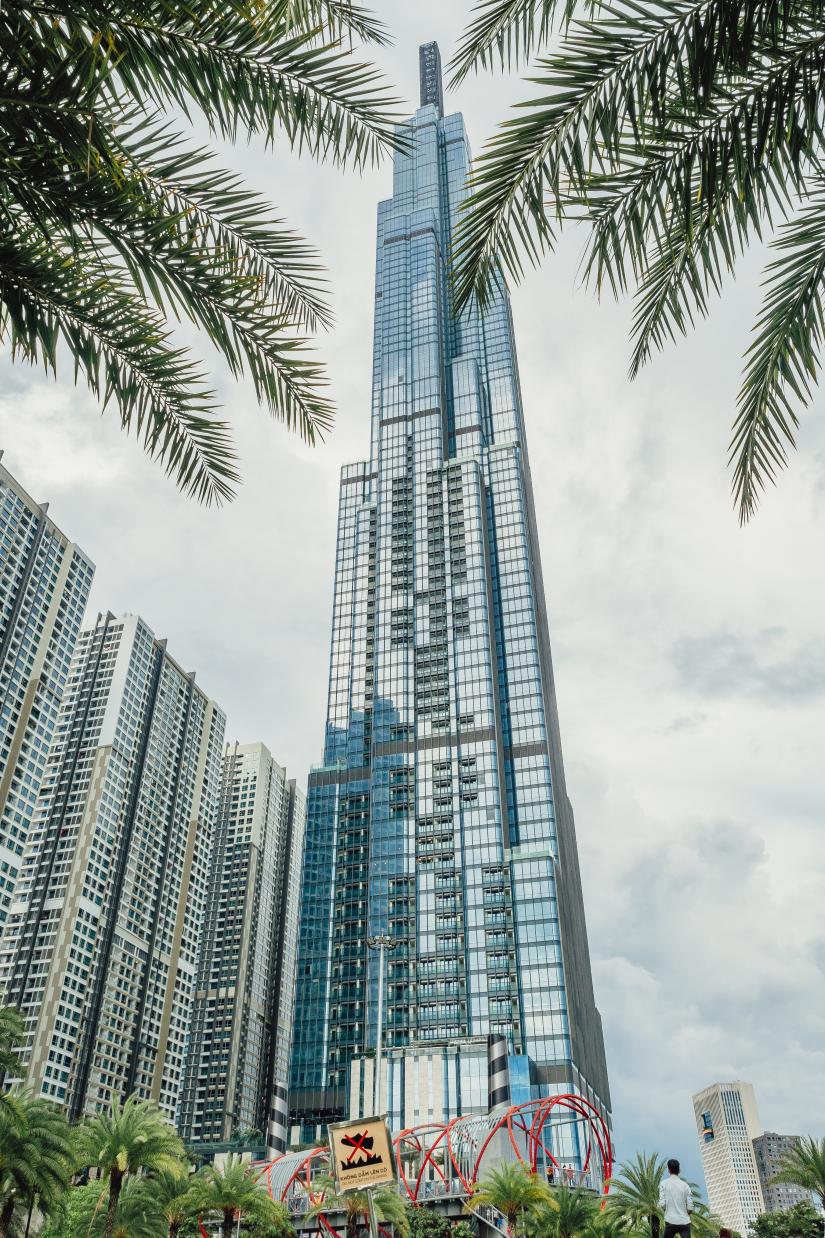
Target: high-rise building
44,587
103,932
770,1150
237,1065
440,815
727,1123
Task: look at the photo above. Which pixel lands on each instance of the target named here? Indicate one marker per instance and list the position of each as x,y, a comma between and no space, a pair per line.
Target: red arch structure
448,1158
456,1150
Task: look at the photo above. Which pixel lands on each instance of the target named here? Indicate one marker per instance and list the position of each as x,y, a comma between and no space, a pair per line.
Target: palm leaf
784,359
123,351
508,31
110,222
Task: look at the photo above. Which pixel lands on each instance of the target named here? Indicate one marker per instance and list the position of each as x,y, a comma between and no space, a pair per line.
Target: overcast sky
689,653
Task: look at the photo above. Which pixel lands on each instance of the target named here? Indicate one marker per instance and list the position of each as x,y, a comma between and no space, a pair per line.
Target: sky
689,652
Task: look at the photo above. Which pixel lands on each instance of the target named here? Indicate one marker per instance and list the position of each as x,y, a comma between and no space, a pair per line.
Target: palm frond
96,187
626,82
728,169
338,18
124,353
247,71
783,362
507,31
804,1165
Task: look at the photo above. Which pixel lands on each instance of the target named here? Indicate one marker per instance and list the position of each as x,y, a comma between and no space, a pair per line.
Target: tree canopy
800,1221
679,133
113,222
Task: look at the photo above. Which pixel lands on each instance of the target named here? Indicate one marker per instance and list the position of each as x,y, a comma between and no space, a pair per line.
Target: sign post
362,1159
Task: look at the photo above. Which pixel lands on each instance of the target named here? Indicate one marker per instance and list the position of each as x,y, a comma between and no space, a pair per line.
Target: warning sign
361,1153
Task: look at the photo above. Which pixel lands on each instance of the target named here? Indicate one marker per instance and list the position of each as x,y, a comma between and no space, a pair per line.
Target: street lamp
380,942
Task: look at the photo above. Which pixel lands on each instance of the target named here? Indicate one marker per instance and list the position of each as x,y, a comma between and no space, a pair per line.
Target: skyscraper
727,1123
104,928
237,1063
440,815
770,1150
44,586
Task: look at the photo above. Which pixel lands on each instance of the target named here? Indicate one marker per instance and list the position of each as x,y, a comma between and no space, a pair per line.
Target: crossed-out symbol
358,1143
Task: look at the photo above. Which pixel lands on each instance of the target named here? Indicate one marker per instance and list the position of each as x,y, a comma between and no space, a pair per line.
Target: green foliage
678,132
278,1226
633,1202
428,1223
133,1136
573,1215
11,1038
704,1223
389,1207
804,1166
138,1213
232,1190
513,1191
800,1221
463,1229
174,1194
112,222
36,1158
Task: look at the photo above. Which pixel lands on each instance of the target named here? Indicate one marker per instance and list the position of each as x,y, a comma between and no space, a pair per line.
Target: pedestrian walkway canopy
564,1138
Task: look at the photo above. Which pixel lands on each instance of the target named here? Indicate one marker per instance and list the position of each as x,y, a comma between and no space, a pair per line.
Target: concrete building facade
770,1149
44,587
103,932
727,1123
237,1065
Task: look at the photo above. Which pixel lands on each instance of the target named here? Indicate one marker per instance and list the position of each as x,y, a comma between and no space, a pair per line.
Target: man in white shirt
676,1201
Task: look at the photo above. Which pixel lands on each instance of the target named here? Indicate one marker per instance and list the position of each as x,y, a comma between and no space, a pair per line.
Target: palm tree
633,1202
704,1223
512,1190
389,1207
279,1227
11,1037
36,1159
804,1165
572,1216
138,1214
134,1136
234,1190
175,1196
679,134
112,221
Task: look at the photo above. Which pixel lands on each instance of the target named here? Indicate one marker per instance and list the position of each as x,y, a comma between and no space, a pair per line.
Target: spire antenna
429,66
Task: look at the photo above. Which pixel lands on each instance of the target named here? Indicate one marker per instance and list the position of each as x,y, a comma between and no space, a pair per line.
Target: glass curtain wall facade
439,814
238,1056
104,929
44,587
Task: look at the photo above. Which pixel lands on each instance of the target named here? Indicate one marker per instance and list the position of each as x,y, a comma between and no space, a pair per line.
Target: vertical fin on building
498,1071
429,66
277,1131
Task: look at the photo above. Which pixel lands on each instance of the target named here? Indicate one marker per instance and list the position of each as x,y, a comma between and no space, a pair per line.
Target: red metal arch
526,1121
525,1126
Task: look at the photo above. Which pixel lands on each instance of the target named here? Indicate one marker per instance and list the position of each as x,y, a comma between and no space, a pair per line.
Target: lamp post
380,942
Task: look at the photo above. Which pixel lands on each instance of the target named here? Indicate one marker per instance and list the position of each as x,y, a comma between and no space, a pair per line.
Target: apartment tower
44,587
727,1123
237,1064
770,1150
440,817
103,932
